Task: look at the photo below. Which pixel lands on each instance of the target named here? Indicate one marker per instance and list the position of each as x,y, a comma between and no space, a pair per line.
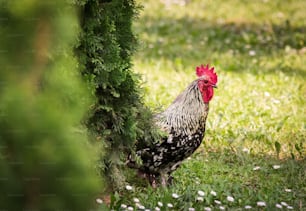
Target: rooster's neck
187,113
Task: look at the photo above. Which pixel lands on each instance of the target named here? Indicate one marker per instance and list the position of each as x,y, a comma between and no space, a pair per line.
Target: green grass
257,116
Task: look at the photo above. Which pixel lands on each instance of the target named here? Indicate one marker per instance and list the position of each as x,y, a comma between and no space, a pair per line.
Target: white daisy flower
217,202
140,206
130,208
256,168
160,204
200,198
201,193
207,208
174,195
169,205
191,209
276,101
279,206
267,94
261,203
157,208
288,190
99,201
213,193
128,187
123,206
247,207
252,53
230,198
289,207
276,166
284,204
136,200
221,207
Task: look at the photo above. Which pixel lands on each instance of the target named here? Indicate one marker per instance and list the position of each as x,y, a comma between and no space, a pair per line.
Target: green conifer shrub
118,118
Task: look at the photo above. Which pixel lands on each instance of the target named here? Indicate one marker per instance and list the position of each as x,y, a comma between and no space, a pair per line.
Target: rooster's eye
206,81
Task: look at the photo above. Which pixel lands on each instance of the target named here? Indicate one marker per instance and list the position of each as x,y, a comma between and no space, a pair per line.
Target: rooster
184,125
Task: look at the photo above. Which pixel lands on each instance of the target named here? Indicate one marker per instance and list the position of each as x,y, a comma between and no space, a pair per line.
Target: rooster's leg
164,179
154,184
152,179
170,180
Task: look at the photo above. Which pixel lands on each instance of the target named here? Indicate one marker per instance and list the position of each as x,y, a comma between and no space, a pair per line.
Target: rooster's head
207,81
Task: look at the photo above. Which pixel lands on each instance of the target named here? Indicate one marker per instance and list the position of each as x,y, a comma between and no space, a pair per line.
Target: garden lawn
253,153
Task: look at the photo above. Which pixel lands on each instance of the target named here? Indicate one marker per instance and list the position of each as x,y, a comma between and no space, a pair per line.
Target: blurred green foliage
45,159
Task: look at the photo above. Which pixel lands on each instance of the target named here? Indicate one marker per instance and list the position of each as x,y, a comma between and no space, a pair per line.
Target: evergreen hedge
118,118
44,154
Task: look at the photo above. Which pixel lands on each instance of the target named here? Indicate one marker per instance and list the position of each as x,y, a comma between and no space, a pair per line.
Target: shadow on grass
234,44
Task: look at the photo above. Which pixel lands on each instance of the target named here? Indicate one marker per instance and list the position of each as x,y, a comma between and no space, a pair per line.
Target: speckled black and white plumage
184,122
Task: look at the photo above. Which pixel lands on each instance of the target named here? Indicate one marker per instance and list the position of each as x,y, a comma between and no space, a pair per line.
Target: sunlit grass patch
253,153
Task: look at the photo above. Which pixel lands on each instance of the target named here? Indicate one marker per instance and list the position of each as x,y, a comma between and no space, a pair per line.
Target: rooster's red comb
206,70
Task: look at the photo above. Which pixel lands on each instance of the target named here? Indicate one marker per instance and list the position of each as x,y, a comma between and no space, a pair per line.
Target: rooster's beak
214,86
